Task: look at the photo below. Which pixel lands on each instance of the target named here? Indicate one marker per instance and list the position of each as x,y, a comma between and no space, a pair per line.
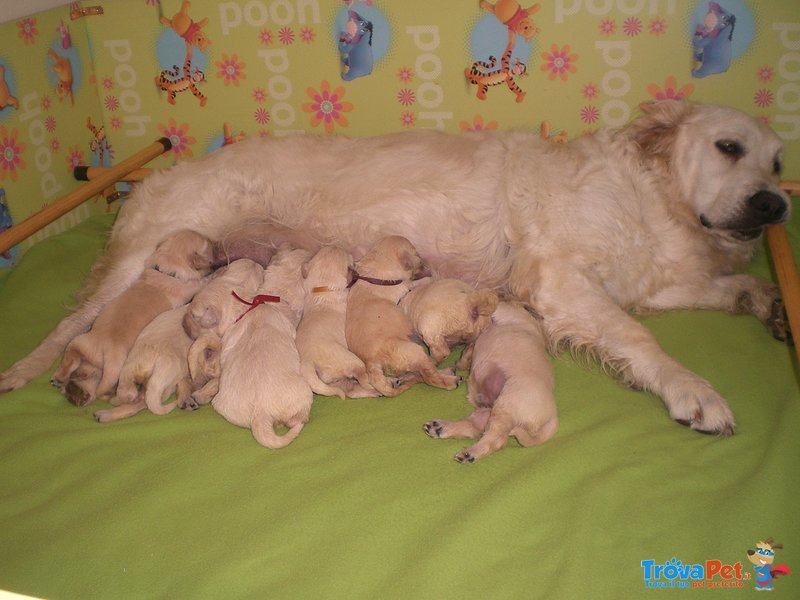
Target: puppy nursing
93,360
510,386
376,328
260,385
328,366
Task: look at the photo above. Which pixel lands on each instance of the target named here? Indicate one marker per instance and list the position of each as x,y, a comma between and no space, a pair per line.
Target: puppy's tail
155,393
483,302
309,373
263,429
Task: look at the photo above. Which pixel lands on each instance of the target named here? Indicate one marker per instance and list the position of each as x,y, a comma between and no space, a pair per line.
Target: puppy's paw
189,403
465,457
763,300
76,395
698,406
436,429
777,322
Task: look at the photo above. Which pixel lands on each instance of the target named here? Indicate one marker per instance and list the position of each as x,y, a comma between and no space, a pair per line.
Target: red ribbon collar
256,301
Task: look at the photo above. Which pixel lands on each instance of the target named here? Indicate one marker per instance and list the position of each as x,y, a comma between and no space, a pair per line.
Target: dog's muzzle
762,208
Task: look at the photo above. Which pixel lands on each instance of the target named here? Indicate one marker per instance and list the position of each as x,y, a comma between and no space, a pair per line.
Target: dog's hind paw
464,457
434,429
777,322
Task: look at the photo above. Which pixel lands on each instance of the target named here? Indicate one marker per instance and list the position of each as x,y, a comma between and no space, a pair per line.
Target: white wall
14,9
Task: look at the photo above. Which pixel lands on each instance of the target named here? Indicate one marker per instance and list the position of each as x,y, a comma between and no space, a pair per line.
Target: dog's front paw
777,323
765,303
697,405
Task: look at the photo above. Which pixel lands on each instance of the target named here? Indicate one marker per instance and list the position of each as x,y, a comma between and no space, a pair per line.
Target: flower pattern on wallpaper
670,91
559,62
230,69
179,136
28,30
477,124
11,149
327,107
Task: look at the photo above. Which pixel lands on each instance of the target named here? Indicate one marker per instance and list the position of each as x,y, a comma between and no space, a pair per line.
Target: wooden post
786,269
12,236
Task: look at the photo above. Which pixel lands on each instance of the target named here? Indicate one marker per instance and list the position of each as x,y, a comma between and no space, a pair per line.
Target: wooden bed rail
786,269
12,236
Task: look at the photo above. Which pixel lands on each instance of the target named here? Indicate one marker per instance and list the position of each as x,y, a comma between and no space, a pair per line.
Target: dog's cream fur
204,370
510,386
448,312
171,276
215,308
376,328
260,385
156,367
325,361
658,215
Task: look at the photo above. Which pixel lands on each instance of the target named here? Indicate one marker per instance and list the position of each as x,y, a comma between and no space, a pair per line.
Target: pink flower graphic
111,103
286,36
477,125
764,119
763,98
607,27
265,37
27,30
765,73
259,95
590,114
326,107
179,136
10,154
261,116
590,91
406,97
108,83
230,69
670,91
307,35
658,26
408,119
50,123
46,102
559,62
55,144
74,158
405,74
632,26
115,122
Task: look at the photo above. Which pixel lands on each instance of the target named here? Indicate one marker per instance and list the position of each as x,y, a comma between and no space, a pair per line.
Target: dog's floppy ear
655,130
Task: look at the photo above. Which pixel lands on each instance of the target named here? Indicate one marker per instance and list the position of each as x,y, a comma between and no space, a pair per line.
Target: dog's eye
730,148
777,167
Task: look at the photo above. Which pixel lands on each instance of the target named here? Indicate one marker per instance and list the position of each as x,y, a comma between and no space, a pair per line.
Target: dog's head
726,164
764,554
328,269
186,255
393,257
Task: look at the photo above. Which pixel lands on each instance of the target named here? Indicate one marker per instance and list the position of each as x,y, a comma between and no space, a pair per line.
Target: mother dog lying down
658,215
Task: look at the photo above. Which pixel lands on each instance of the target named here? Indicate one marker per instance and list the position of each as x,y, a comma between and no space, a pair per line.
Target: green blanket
364,505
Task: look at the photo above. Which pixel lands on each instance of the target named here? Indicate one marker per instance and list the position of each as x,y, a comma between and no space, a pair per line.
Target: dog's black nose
769,207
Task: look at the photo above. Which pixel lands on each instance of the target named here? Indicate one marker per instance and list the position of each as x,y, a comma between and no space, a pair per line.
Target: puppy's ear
484,302
655,130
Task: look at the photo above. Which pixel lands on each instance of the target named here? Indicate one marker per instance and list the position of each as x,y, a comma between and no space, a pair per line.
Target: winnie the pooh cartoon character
513,16
189,30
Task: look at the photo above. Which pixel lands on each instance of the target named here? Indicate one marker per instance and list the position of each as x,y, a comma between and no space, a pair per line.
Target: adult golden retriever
660,214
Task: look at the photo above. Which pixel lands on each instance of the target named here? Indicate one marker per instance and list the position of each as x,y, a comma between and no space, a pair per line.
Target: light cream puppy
510,386
325,361
173,274
260,385
448,312
378,331
156,367
215,308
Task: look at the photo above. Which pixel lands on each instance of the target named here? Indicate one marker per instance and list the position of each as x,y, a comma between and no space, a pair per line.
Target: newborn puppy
260,385
325,362
172,275
449,312
510,385
215,308
378,331
156,366
204,370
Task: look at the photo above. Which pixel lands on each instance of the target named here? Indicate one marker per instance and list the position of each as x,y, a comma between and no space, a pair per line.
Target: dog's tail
263,429
309,373
483,302
155,394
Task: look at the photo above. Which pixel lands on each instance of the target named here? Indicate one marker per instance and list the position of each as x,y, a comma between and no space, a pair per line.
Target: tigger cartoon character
484,75
6,99
228,135
62,67
169,81
98,142
189,30
513,16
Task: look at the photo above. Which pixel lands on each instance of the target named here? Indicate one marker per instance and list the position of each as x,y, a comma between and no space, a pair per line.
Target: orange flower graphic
326,107
179,136
559,62
10,154
230,69
670,90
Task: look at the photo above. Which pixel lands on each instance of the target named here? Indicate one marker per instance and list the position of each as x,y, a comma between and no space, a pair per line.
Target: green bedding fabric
364,505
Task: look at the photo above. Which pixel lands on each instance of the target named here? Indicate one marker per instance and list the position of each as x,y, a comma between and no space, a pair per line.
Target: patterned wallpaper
97,88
